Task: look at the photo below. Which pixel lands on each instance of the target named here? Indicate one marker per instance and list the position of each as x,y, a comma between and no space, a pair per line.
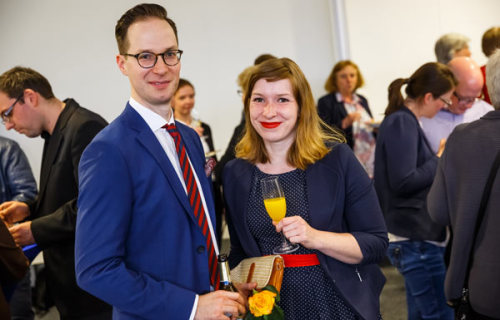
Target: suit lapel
53,144
148,140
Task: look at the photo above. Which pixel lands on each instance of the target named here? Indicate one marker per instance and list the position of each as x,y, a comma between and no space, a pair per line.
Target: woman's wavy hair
311,132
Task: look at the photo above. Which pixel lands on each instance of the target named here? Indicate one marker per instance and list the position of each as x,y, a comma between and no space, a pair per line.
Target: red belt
300,260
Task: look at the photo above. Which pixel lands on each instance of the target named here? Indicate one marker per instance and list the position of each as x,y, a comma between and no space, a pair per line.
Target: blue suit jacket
137,244
405,166
341,198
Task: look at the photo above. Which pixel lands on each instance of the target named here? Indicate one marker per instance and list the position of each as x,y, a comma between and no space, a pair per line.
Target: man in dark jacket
28,105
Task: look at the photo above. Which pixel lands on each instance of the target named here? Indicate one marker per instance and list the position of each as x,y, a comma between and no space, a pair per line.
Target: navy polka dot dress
306,292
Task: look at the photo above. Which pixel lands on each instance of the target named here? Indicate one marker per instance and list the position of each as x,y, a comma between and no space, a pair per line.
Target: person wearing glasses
145,235
28,105
465,106
405,166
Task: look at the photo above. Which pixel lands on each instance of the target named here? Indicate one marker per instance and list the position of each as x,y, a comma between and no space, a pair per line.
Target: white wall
72,43
391,38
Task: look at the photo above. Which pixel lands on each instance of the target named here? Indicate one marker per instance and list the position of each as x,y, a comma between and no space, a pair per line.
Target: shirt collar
153,120
355,98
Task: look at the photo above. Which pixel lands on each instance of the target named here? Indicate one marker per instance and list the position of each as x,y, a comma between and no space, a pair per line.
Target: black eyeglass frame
446,102
178,53
7,114
463,100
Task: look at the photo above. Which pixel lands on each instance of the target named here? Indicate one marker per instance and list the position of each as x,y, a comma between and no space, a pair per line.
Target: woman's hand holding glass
297,230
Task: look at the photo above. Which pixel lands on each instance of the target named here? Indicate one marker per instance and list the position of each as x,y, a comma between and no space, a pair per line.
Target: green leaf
271,288
250,316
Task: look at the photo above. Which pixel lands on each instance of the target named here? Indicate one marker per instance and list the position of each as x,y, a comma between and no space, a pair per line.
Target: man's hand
219,304
22,234
14,211
245,289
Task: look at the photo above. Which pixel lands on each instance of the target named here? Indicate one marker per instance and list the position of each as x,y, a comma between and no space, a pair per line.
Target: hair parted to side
432,77
448,44
490,41
14,81
139,13
311,133
493,78
331,82
263,57
244,77
182,83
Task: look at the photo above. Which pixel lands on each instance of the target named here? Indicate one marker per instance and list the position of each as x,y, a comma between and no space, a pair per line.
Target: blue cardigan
341,198
405,166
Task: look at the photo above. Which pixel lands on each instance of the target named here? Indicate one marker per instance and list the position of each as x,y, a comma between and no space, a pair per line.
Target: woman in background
343,108
489,43
405,166
183,104
332,209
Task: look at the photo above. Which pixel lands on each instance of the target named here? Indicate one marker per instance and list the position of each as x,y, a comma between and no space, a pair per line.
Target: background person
489,43
404,169
464,107
454,200
17,184
331,204
13,266
145,239
183,104
451,45
28,105
343,108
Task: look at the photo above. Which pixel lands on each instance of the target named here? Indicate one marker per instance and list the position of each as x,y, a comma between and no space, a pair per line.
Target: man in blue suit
139,246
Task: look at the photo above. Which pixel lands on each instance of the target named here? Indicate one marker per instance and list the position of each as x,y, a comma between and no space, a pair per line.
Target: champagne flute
275,203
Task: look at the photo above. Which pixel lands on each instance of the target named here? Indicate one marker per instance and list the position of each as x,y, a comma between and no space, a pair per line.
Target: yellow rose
261,303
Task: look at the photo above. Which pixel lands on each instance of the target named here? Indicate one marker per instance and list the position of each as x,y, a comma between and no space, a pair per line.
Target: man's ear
31,97
120,62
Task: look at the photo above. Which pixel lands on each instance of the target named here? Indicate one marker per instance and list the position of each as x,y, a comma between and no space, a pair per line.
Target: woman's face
183,101
347,78
274,111
432,107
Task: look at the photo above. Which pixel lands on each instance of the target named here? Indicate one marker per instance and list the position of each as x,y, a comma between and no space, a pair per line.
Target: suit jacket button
200,249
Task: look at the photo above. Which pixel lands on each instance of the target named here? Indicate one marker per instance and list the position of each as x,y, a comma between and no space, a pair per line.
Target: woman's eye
283,100
257,99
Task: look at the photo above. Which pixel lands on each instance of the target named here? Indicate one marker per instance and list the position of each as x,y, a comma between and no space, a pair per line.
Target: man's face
153,87
463,98
22,117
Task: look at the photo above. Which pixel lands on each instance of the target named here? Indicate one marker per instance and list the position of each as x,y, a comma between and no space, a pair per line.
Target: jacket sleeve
437,199
20,182
329,111
60,224
405,175
362,211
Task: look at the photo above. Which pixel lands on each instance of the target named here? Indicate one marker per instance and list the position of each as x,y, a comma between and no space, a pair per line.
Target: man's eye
170,54
146,56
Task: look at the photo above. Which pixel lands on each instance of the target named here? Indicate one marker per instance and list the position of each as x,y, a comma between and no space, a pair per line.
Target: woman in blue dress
332,208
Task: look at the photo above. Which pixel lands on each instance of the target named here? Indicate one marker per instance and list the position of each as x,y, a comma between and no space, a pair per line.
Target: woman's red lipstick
270,125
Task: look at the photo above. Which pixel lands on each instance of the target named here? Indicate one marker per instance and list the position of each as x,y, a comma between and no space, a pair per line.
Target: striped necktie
194,197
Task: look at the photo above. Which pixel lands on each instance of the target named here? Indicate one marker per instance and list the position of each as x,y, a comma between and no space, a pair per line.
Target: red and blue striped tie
195,201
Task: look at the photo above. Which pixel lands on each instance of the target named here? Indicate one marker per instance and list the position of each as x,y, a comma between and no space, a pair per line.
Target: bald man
465,106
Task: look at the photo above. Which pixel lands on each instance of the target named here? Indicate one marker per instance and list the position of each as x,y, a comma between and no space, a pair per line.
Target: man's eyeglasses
148,60
7,114
447,102
463,100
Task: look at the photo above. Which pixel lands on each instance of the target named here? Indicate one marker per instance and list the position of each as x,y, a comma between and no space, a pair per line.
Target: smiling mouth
270,125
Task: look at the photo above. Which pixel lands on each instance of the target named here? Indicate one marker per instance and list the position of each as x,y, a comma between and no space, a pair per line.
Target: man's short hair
139,13
447,45
493,78
14,81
